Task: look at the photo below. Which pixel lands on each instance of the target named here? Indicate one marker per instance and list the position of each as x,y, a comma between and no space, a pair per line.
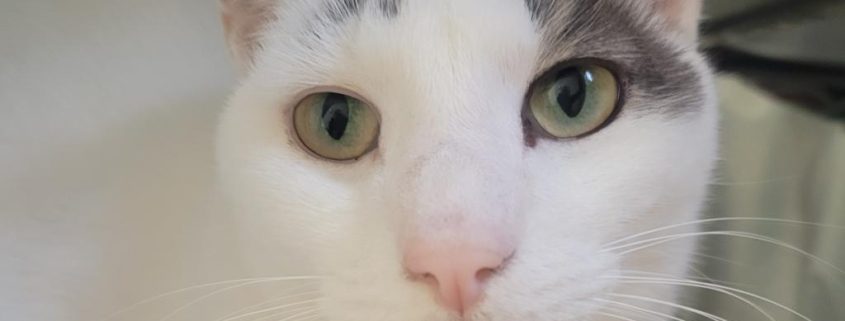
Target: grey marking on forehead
655,74
390,8
338,11
538,9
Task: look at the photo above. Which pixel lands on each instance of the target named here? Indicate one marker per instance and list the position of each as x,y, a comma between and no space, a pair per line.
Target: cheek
648,170
632,176
287,206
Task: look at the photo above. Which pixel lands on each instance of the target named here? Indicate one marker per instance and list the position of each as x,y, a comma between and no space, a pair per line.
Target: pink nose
457,274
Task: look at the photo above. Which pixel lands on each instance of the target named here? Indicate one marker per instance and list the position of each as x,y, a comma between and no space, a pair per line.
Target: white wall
107,112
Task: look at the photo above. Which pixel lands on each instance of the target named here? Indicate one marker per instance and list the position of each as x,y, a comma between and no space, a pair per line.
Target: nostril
484,274
427,278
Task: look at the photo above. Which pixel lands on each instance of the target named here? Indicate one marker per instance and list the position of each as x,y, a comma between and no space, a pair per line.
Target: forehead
401,39
586,25
529,35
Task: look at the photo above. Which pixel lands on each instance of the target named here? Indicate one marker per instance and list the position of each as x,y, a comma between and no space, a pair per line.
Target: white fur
448,82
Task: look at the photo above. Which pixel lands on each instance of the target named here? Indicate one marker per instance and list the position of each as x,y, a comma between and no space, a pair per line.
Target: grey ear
683,15
243,22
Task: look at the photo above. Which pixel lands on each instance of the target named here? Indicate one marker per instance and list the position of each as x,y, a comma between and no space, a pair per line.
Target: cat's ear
243,21
683,15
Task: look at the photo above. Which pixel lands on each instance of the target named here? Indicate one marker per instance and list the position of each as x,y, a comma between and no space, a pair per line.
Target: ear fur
243,21
683,15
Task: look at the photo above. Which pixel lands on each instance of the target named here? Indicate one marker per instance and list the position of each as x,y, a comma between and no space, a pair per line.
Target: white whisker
701,275
671,304
611,315
304,313
663,239
272,309
631,306
629,313
229,288
717,258
670,276
714,287
313,317
261,304
722,219
757,182
288,313
202,286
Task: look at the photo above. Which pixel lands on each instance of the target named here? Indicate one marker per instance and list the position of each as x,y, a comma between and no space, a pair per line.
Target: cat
475,160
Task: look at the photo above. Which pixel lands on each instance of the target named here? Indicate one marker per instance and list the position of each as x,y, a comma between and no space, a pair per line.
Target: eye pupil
335,115
571,91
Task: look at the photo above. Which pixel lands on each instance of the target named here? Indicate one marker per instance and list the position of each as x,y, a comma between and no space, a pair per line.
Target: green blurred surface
782,163
778,161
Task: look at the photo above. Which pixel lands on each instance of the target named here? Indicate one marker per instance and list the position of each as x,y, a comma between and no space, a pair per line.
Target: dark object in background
794,49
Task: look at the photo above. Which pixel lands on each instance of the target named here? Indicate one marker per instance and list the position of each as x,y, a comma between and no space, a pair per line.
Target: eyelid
343,90
615,68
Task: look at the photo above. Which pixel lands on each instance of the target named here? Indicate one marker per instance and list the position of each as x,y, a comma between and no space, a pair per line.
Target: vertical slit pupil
571,91
335,115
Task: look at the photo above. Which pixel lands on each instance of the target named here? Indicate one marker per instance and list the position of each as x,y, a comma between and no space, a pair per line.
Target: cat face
434,160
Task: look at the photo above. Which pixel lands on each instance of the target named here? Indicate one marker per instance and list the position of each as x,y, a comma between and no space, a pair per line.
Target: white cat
477,159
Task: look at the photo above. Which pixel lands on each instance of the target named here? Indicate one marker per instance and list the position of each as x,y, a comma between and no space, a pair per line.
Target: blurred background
103,100
782,89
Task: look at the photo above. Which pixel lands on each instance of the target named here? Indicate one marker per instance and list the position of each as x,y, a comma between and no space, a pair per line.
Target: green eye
574,101
336,126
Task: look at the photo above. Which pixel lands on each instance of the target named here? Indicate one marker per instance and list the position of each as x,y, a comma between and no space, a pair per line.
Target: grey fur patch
390,8
539,9
655,76
338,11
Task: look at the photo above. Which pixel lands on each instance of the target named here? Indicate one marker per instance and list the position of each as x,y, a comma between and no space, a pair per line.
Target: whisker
704,285
316,316
259,305
310,318
722,219
202,286
611,315
631,306
757,182
663,239
628,313
306,313
272,309
216,292
702,275
287,313
616,310
670,276
718,258
671,304
714,287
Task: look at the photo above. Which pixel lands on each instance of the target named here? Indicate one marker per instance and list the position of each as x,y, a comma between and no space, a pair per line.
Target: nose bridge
454,183
461,158
461,197
459,161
